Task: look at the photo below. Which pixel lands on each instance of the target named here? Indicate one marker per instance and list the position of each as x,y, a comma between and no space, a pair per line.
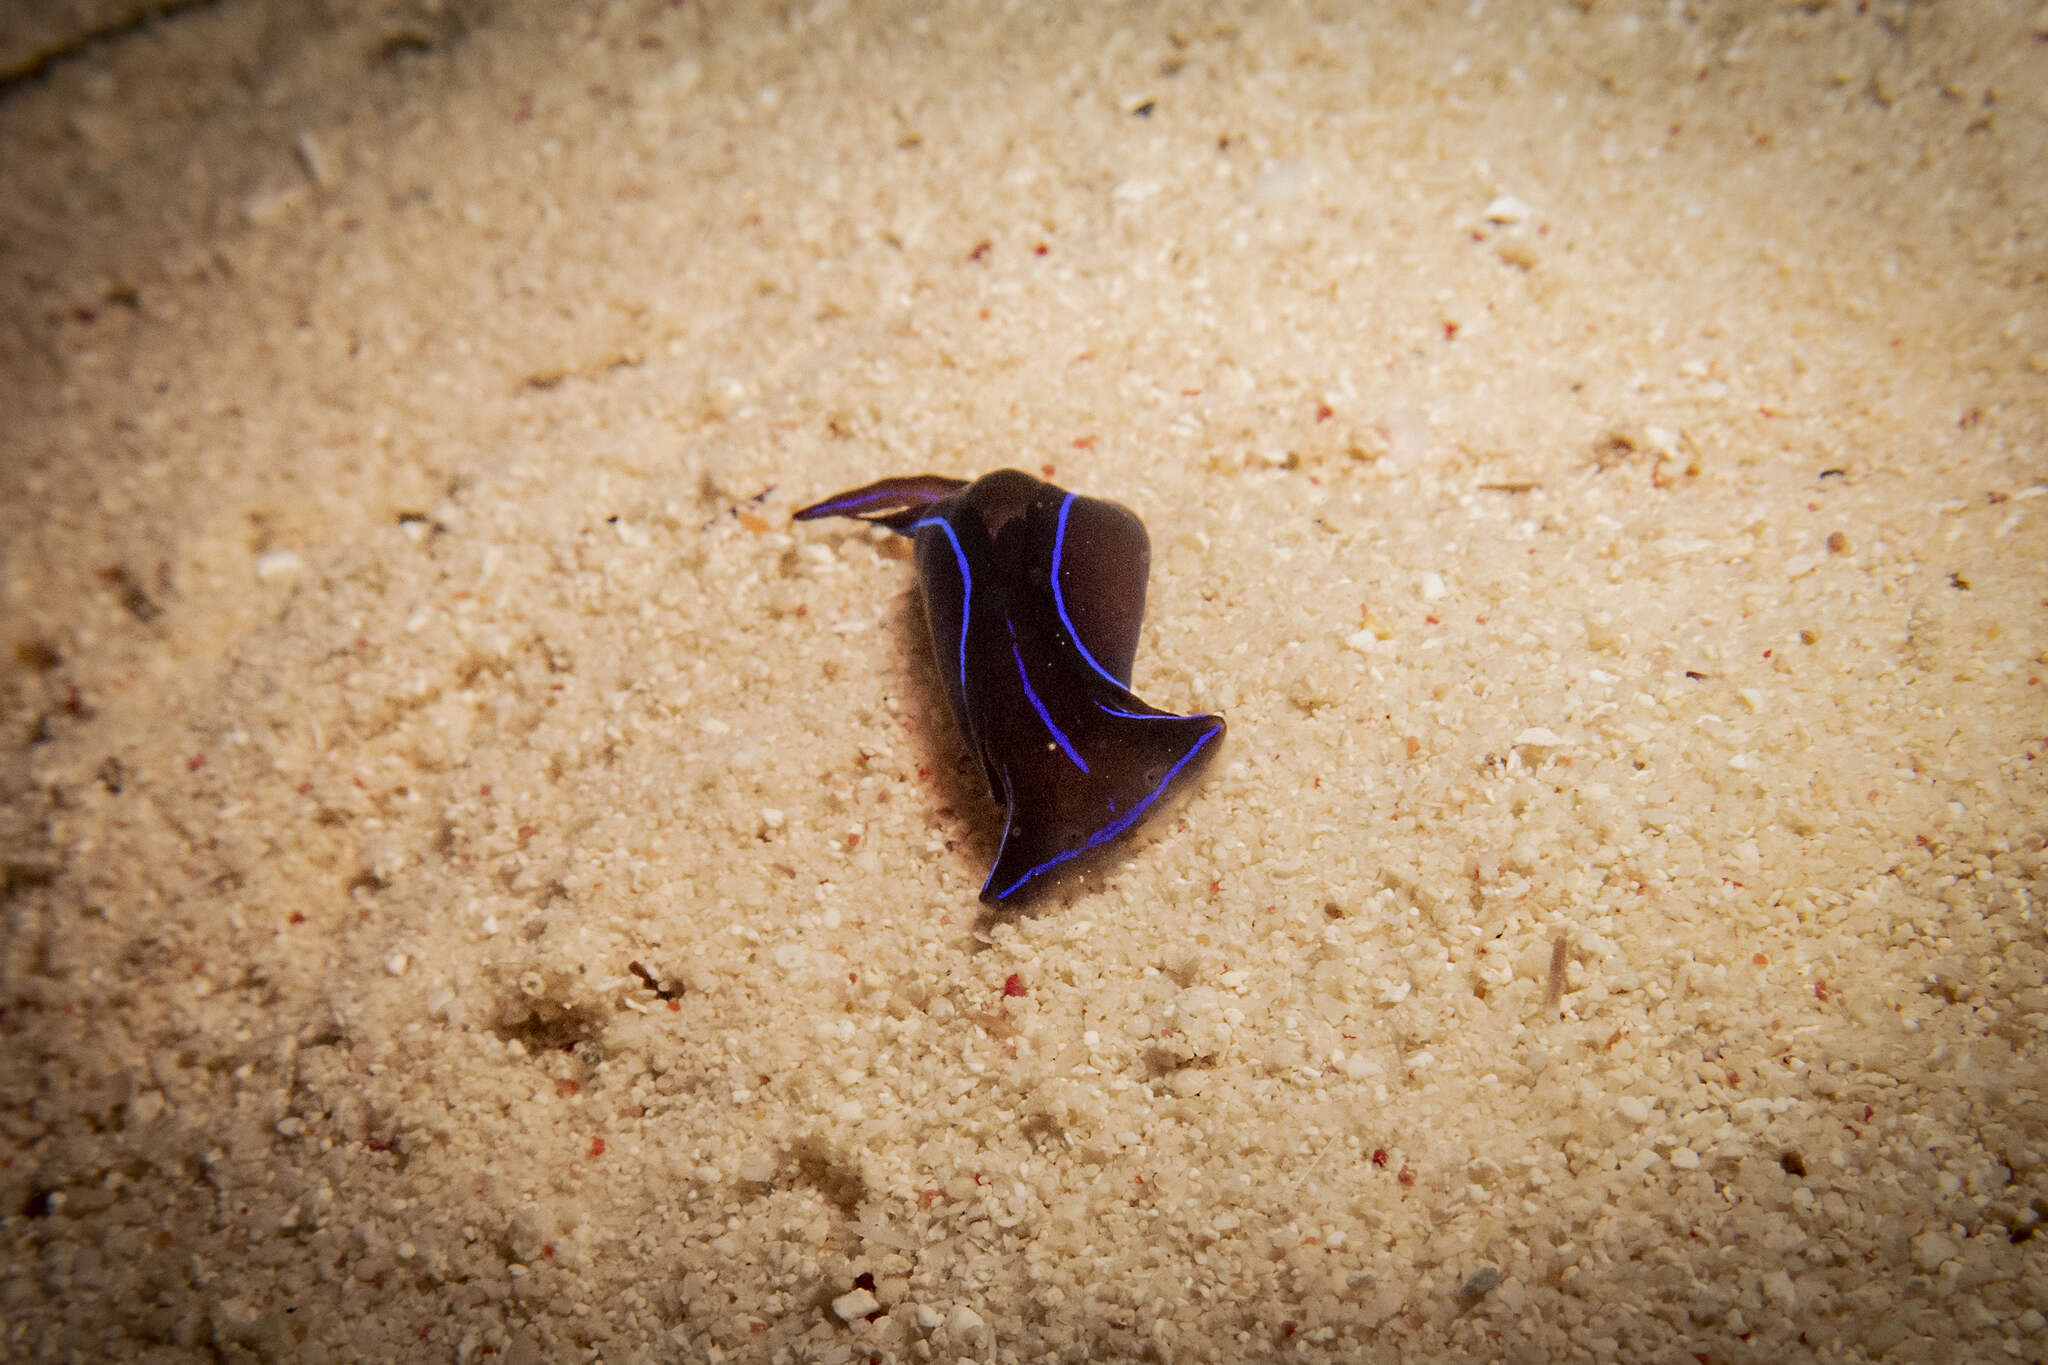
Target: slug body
1034,596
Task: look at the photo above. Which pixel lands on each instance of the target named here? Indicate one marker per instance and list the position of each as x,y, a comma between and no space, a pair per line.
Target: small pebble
278,564
1506,209
854,1305
267,206
963,1321
683,76
1930,1249
1662,440
1516,249
1479,1284
313,155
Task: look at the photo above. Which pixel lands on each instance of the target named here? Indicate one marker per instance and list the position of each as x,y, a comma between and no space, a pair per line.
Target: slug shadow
959,806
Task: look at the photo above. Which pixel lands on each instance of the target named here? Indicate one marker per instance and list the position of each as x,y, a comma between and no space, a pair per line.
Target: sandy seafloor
481,886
